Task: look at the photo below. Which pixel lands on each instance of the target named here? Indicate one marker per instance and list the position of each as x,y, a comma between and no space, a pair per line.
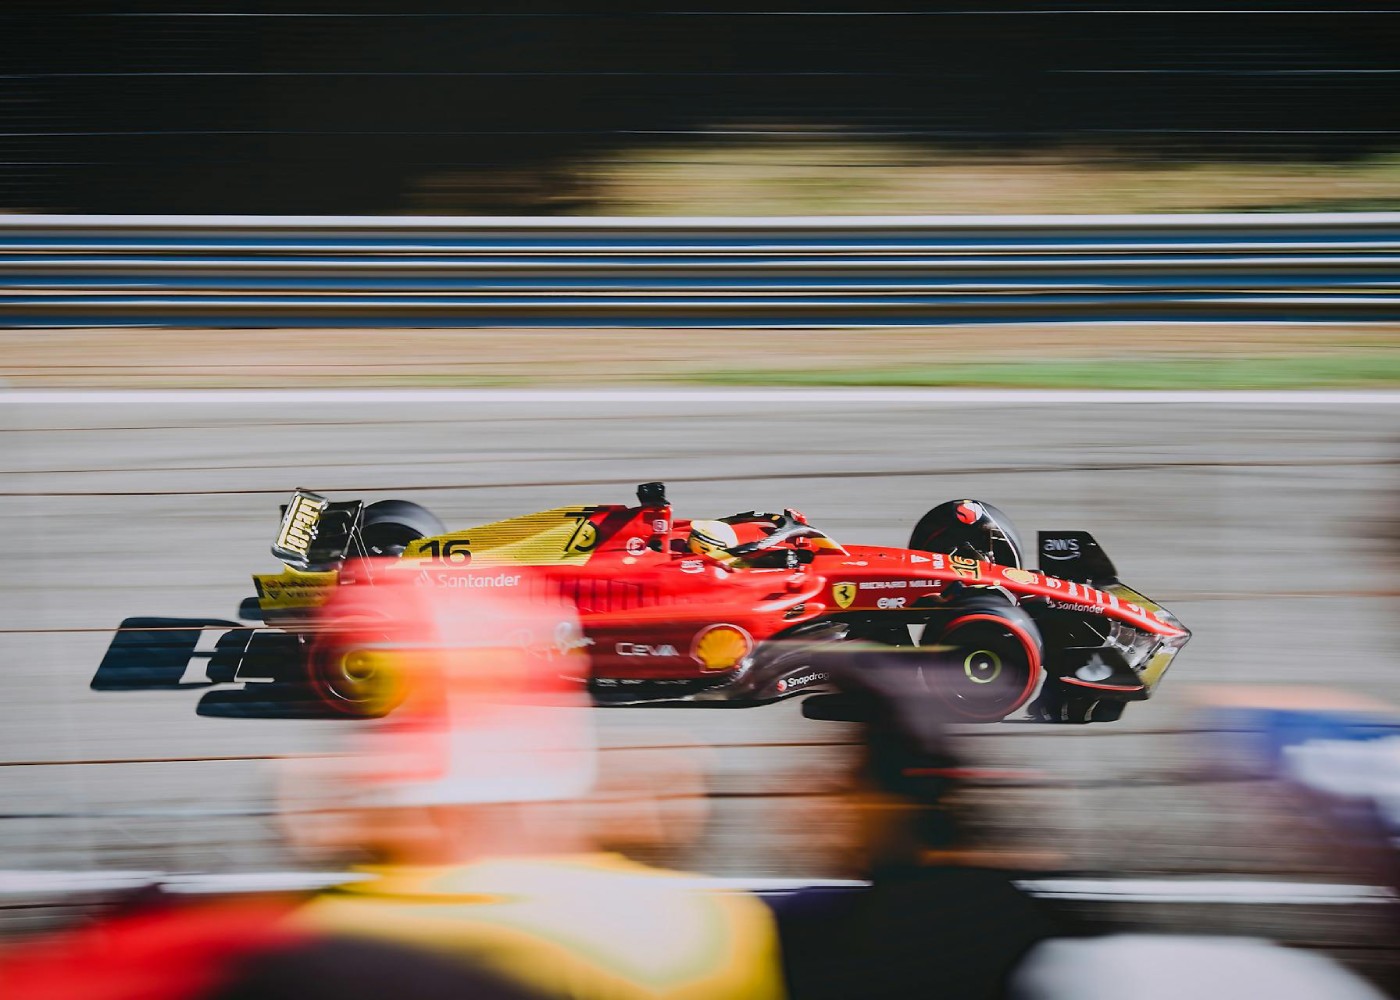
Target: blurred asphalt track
1267,522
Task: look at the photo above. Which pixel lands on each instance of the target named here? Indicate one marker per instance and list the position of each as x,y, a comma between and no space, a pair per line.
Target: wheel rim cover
982,666
356,668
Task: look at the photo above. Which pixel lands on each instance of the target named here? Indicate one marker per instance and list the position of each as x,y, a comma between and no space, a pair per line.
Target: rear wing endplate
315,532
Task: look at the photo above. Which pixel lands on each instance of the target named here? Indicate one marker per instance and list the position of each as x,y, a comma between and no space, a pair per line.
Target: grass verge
791,177
1296,372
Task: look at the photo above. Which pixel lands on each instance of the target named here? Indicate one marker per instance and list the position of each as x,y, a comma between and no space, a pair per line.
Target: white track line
1127,890
777,396
1245,891
469,223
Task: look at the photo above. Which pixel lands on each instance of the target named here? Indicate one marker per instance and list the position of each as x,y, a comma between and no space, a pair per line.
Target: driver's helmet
712,538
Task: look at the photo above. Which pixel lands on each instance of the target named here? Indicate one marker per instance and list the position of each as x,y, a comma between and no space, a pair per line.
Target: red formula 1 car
738,610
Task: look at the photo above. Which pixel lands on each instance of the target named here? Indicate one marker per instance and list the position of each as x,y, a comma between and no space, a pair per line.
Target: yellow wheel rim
982,666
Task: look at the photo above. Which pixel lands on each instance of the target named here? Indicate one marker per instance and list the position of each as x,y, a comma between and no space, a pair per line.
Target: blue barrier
235,271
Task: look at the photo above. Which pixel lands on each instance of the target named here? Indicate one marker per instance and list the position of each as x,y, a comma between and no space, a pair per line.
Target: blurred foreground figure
474,795
231,951
1336,750
935,922
938,922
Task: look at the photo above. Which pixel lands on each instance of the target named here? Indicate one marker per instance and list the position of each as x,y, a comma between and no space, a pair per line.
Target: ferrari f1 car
740,610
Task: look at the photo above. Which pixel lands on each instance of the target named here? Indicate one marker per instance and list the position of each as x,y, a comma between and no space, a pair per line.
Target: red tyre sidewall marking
1098,687
1028,642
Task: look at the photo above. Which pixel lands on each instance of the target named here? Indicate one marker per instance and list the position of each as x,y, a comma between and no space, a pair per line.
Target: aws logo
1061,549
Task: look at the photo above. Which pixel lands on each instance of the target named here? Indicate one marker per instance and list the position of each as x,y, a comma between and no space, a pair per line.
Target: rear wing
316,533
1074,555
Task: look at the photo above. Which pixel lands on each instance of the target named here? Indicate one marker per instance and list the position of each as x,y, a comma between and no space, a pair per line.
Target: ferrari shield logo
843,593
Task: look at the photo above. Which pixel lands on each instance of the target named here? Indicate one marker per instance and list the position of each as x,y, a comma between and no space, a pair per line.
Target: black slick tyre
390,526
987,659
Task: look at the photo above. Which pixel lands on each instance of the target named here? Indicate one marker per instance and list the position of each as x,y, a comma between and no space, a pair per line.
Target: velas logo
969,512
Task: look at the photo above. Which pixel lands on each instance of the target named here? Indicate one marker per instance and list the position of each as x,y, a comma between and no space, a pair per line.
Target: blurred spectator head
649,800
490,743
908,774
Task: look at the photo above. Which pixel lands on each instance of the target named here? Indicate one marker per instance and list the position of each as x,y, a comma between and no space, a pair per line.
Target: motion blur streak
460,107
719,397
359,272
478,798
1227,501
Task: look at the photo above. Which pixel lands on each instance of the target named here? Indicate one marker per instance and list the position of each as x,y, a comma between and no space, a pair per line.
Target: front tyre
989,662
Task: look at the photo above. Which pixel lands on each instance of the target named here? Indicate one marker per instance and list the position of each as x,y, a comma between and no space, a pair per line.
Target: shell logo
1018,576
721,647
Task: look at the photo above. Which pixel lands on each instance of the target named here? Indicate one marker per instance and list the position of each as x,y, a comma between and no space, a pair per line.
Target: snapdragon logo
802,680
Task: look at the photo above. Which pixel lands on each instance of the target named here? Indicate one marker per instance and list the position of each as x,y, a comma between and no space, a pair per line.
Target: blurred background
447,107
1267,521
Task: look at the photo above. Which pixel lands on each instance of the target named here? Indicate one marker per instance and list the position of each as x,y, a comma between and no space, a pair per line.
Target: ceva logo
641,649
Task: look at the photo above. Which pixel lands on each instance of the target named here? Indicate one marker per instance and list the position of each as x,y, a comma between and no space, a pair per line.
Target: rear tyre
349,675
390,526
989,659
